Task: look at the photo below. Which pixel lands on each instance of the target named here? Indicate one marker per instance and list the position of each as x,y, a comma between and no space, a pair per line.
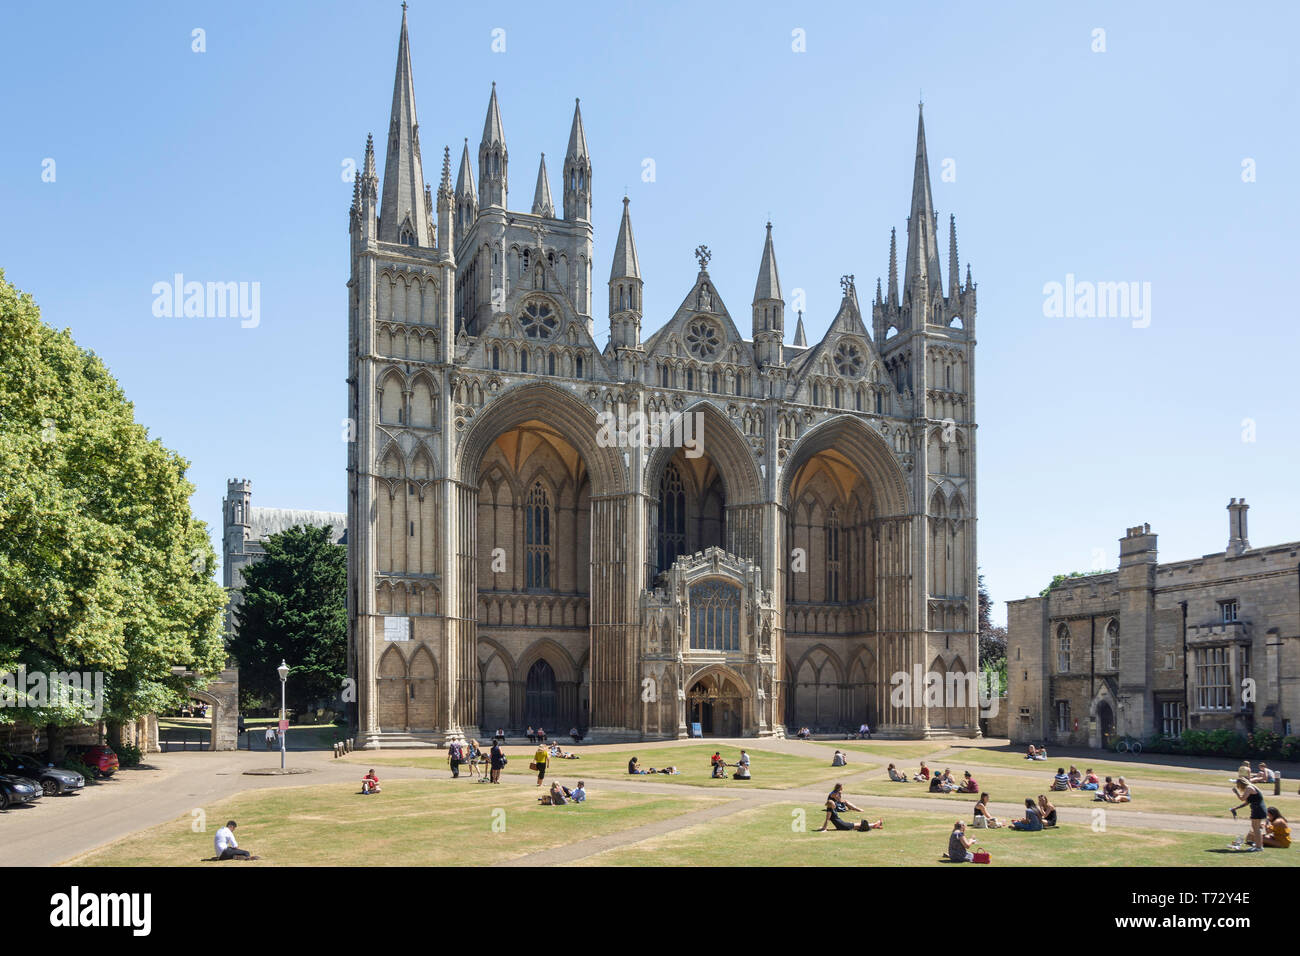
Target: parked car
98,757
53,780
18,790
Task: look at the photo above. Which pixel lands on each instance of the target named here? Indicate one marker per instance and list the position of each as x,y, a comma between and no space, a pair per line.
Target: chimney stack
1238,540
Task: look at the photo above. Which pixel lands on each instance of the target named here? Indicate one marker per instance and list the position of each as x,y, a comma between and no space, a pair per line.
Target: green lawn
411,823
1112,764
767,836
770,770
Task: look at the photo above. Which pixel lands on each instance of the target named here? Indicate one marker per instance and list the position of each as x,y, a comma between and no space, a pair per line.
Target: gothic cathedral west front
514,560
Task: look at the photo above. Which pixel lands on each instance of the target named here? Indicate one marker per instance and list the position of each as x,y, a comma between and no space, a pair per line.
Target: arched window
715,616
833,555
550,364
540,697
496,358
880,402
523,361
537,539
1063,649
713,381
578,367
1111,646
672,517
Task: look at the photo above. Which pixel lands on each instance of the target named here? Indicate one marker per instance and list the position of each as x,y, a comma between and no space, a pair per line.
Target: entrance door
540,699
1105,723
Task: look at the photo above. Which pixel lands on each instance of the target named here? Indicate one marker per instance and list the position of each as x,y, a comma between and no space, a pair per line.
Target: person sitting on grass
370,783
719,771
1108,790
895,776
959,844
554,798
1263,774
833,818
1062,780
840,760
1090,781
227,848
1277,831
923,774
968,784
1032,821
632,767
1074,778
742,767
936,784
579,793
1046,811
1122,793
983,818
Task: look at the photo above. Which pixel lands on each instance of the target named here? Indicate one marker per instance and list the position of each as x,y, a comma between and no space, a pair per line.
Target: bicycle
1127,745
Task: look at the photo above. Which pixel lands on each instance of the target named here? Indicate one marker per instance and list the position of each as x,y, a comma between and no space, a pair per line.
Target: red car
100,758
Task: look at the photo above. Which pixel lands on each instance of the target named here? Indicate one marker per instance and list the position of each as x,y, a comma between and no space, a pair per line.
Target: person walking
541,760
498,761
453,758
270,738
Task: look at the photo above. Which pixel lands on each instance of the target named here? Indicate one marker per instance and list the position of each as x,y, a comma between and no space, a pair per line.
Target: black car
53,780
18,790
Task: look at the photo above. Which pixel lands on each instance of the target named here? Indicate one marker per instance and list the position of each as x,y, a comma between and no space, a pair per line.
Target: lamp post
283,671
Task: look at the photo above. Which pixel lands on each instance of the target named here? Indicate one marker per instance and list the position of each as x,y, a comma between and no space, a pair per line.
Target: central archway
720,701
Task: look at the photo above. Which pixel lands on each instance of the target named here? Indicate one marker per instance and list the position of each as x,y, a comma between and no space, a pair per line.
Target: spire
954,272
769,283
577,136
800,338
402,215
922,251
625,288
893,268
880,299
577,171
465,178
444,184
542,205
492,131
492,158
625,265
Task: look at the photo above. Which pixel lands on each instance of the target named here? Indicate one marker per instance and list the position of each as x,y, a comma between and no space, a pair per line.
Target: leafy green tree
993,639
103,566
294,608
1059,579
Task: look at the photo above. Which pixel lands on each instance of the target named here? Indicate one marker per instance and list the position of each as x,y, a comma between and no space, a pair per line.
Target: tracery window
538,320
537,538
672,517
703,339
848,360
715,616
833,556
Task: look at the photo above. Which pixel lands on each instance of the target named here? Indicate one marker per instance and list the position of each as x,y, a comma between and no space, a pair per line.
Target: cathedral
521,552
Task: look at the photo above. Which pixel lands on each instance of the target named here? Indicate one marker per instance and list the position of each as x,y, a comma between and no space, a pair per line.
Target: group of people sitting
537,736
559,796
943,782
558,751
634,768
804,733
1264,774
719,767
1036,753
1112,791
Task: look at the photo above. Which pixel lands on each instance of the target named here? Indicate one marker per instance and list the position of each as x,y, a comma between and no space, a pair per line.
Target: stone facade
520,553
245,528
1212,642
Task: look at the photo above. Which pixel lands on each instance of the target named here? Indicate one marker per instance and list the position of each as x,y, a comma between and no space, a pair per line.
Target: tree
993,639
1059,579
294,608
103,566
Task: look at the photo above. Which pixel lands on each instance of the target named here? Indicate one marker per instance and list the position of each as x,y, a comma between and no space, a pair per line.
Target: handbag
980,823
981,856
532,766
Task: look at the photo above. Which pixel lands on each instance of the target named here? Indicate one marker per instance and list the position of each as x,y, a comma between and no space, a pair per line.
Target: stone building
244,528
804,531
1206,643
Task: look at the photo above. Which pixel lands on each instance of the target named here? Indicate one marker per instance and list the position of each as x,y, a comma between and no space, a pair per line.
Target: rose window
702,339
848,360
538,320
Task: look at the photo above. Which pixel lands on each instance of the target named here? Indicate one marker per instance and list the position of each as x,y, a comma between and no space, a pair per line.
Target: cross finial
846,283
539,231
702,253
403,6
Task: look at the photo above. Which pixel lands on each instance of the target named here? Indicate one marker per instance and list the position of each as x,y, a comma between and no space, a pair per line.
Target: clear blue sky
1124,165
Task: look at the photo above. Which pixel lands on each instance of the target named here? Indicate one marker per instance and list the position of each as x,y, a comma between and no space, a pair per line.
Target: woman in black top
1046,811
498,759
1251,796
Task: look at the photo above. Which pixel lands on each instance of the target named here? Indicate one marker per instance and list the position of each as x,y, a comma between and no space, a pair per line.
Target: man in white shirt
227,848
270,738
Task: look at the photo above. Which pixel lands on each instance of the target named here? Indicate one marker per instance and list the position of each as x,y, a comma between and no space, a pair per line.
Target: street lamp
283,671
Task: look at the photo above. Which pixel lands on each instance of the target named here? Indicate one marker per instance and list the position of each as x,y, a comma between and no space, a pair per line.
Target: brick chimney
1238,540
